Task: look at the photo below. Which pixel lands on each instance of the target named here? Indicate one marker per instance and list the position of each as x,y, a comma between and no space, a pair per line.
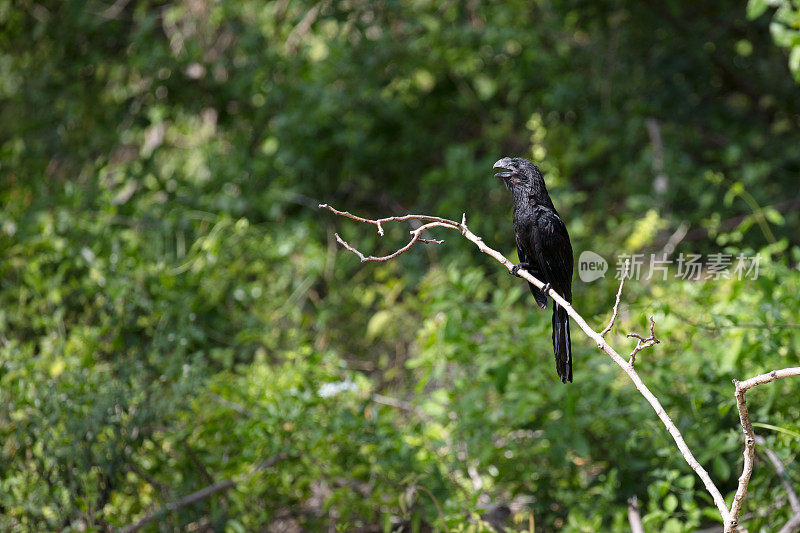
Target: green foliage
785,27
174,310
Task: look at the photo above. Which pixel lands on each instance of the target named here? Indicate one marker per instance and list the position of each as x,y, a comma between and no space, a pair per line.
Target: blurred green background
174,310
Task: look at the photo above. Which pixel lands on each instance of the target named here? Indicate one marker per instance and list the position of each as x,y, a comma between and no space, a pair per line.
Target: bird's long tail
561,343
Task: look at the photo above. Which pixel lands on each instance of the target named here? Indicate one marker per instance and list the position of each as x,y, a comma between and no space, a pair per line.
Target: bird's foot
515,268
546,288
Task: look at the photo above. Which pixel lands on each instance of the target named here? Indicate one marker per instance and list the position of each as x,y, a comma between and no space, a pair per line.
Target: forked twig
643,343
741,388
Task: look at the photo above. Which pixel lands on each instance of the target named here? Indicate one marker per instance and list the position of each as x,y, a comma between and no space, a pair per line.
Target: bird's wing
524,257
554,252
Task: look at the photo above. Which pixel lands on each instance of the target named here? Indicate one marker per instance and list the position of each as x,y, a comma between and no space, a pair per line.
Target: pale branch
712,489
768,377
741,388
415,237
400,404
619,296
675,239
302,29
634,517
183,502
729,516
380,221
780,469
203,493
643,343
231,405
792,525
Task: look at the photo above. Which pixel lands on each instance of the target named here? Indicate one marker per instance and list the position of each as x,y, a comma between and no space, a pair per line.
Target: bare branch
203,494
415,237
777,464
404,218
729,516
626,366
616,303
416,234
183,502
768,377
643,343
741,388
676,238
400,404
304,26
634,517
114,10
231,405
792,525
661,181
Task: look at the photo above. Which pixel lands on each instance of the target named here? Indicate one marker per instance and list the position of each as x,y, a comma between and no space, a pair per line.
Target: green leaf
234,526
721,468
685,482
673,525
770,213
378,323
789,432
712,513
794,59
670,503
501,377
756,8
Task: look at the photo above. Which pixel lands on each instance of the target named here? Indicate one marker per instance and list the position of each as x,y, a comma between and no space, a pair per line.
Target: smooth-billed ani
543,247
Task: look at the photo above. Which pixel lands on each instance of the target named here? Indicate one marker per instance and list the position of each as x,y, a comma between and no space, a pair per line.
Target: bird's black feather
543,244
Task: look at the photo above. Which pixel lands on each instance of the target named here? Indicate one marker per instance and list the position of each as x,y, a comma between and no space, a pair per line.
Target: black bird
543,247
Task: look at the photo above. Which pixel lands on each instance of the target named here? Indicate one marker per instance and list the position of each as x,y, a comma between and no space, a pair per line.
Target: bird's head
517,172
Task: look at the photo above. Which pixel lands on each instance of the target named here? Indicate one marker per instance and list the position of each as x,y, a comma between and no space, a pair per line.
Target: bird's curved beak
503,164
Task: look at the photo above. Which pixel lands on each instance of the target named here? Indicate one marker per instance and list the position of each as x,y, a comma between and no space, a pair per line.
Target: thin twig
304,26
231,405
792,525
661,181
196,460
436,503
415,236
203,493
643,343
400,404
780,469
675,239
616,303
114,10
183,502
379,222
